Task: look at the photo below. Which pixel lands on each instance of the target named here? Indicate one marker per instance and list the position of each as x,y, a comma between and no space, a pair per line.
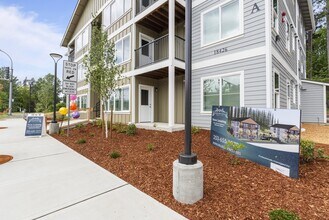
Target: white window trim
277,23
120,16
294,93
241,18
241,73
288,88
81,95
113,94
287,35
129,57
83,43
279,89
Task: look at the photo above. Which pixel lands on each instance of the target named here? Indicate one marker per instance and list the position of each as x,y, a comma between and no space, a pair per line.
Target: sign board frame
70,77
35,125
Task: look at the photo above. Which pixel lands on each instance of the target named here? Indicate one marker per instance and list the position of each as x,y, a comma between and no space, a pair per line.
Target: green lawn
3,116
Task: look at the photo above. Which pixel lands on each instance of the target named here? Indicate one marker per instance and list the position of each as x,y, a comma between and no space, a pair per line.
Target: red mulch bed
3,127
245,191
5,159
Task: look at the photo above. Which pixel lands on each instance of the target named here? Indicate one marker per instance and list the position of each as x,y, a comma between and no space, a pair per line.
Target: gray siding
254,85
284,78
253,37
280,45
312,103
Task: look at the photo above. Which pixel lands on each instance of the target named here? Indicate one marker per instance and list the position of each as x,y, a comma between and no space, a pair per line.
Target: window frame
287,35
124,11
219,6
220,77
275,23
277,90
115,45
121,99
81,38
288,90
80,101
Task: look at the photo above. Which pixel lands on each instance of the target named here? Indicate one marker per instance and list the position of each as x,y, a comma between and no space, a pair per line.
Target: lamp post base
188,159
53,128
187,182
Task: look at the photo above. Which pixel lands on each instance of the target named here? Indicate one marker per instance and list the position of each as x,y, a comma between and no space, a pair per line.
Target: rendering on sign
35,125
269,137
70,77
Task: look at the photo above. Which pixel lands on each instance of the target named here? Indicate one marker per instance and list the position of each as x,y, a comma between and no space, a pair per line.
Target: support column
171,67
133,99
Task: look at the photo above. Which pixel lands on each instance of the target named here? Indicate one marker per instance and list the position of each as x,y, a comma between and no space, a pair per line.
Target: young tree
102,72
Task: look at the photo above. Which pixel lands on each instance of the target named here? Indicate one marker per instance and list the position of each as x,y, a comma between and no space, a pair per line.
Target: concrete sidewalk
48,180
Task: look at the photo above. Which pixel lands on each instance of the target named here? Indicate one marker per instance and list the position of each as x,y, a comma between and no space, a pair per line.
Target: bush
320,153
81,141
195,130
98,123
92,135
79,126
234,147
307,150
131,129
120,128
114,154
150,147
60,105
280,214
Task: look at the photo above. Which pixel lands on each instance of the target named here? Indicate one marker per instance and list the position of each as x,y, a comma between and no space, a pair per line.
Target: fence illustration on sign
270,136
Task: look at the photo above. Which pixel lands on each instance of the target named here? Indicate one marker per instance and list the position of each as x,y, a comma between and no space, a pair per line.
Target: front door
146,104
146,50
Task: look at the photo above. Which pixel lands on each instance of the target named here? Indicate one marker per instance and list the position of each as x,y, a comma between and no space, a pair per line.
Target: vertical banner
270,136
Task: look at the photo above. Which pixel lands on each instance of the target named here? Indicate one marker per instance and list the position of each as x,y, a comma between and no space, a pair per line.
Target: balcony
158,50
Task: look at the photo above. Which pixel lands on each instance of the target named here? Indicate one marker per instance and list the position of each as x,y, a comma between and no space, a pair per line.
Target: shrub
62,132
150,147
195,130
81,141
234,147
320,153
98,123
131,130
120,128
307,150
60,105
92,135
281,214
79,126
114,154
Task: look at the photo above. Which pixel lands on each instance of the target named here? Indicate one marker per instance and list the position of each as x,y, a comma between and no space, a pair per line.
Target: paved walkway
48,180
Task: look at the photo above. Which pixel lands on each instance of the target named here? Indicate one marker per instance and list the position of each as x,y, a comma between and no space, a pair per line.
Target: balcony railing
142,5
158,50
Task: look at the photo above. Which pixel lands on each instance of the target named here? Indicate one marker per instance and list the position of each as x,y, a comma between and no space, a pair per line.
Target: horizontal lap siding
253,37
312,103
254,85
284,78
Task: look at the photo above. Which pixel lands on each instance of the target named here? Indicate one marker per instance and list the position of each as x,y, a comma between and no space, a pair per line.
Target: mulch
3,127
245,191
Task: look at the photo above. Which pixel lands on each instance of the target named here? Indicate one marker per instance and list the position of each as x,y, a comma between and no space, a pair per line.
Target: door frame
148,38
151,89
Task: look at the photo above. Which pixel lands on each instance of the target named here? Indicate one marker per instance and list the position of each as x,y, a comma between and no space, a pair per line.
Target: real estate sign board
70,77
35,125
270,136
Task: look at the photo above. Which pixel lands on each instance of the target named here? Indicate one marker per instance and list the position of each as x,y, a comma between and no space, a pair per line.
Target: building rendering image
245,128
244,53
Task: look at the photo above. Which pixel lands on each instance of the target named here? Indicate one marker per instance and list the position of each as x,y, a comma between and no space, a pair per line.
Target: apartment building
245,53
149,40
248,53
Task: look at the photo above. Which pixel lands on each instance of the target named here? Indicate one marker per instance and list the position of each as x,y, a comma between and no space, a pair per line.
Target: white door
146,50
146,104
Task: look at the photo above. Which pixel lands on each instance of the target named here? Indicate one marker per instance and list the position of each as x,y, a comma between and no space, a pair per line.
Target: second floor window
122,50
82,40
287,36
275,18
221,22
115,10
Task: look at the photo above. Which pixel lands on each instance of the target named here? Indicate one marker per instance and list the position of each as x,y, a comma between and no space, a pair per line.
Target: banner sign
270,136
35,125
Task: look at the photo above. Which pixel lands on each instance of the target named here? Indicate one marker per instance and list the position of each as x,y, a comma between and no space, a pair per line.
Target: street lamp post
30,82
187,170
54,127
10,83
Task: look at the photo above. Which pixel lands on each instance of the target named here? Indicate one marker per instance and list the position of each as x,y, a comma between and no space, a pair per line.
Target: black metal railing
142,5
97,109
158,50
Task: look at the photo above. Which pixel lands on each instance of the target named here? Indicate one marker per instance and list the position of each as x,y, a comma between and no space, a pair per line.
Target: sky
29,31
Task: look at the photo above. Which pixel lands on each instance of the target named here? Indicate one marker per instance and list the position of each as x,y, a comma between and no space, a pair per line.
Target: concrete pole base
187,182
53,128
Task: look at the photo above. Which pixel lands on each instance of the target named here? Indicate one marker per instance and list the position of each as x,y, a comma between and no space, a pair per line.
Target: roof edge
69,25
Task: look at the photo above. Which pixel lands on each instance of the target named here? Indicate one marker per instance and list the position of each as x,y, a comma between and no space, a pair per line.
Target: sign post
70,78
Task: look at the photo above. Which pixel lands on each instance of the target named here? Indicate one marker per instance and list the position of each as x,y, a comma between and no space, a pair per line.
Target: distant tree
45,89
102,72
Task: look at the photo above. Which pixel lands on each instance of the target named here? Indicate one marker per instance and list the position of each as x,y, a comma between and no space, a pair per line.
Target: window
81,72
287,36
115,10
122,48
82,102
294,97
276,90
293,41
120,100
221,22
82,39
288,95
275,18
221,90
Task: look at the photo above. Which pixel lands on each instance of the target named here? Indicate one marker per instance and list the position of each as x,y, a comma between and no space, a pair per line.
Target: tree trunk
102,115
327,18
111,125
